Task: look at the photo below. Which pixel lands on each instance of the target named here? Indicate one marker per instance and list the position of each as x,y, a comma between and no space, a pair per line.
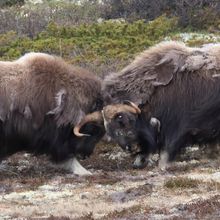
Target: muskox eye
120,116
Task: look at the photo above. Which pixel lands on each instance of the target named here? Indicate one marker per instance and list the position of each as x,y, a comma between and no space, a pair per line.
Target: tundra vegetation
104,36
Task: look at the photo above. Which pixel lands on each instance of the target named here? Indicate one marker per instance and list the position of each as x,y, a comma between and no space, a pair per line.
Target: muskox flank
41,99
177,85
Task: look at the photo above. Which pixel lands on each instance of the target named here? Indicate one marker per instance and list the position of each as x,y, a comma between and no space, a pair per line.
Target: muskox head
121,122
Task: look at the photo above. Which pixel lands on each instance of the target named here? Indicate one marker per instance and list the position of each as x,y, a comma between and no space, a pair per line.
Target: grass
181,182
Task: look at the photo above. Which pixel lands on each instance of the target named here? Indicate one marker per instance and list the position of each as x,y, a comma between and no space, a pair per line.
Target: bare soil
30,188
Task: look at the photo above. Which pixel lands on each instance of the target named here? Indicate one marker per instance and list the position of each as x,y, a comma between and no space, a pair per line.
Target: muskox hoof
140,161
82,172
73,166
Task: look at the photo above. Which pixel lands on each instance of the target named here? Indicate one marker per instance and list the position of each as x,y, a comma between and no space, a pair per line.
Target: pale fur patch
73,165
60,102
140,161
163,162
155,123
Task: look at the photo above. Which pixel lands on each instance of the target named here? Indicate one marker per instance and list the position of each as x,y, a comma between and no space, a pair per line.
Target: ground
30,188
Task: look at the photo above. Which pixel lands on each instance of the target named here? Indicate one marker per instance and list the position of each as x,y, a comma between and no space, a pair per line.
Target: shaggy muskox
177,89
41,99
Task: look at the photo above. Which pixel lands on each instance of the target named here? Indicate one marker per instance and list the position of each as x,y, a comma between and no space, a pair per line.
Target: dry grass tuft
181,182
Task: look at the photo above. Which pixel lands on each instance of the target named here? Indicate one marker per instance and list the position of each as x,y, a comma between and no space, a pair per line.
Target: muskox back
42,98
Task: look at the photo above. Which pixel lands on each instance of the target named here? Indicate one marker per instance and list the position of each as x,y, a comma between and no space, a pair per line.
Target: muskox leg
170,150
148,143
75,167
164,160
142,160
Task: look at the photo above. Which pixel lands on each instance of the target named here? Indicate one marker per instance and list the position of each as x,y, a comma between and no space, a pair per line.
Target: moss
181,182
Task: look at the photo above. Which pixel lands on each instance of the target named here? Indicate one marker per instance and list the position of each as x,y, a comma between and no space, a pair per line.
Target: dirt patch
30,188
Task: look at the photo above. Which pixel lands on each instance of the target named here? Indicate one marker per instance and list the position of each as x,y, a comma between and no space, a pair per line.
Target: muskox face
119,121
122,129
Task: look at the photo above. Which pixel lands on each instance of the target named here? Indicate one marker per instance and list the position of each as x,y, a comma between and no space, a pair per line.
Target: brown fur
178,85
156,67
38,84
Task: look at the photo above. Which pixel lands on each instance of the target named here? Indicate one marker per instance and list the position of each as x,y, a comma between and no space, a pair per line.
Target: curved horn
93,117
127,102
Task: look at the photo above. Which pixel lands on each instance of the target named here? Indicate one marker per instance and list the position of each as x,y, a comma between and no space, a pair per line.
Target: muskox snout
125,139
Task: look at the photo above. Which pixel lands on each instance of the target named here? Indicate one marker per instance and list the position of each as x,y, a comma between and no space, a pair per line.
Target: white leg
163,162
143,160
140,161
75,167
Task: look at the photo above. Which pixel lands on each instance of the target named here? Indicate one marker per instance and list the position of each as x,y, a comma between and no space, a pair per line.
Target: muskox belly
59,143
15,135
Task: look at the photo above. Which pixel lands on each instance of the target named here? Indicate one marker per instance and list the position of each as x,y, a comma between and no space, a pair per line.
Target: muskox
177,89
41,99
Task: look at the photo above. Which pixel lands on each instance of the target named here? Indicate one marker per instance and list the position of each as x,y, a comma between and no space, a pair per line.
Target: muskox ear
165,71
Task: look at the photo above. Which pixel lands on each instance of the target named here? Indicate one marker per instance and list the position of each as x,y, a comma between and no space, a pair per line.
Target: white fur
105,121
142,160
155,123
75,167
163,162
59,96
139,160
60,102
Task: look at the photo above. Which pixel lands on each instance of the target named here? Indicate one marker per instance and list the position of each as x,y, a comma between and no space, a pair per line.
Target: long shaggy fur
41,99
178,85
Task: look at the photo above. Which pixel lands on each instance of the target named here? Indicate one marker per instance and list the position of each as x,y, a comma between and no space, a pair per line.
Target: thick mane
156,67
41,84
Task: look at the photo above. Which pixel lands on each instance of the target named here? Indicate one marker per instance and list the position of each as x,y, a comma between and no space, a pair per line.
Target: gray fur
156,67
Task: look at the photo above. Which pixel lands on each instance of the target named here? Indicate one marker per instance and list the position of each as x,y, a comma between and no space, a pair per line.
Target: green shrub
91,42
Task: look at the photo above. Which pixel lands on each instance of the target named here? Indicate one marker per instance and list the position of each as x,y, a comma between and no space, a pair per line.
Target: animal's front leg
148,143
142,160
164,160
75,167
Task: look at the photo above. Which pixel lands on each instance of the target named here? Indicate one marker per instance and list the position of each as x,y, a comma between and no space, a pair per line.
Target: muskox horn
127,102
110,111
93,117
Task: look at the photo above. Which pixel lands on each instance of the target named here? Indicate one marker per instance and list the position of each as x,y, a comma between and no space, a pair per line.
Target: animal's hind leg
75,167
